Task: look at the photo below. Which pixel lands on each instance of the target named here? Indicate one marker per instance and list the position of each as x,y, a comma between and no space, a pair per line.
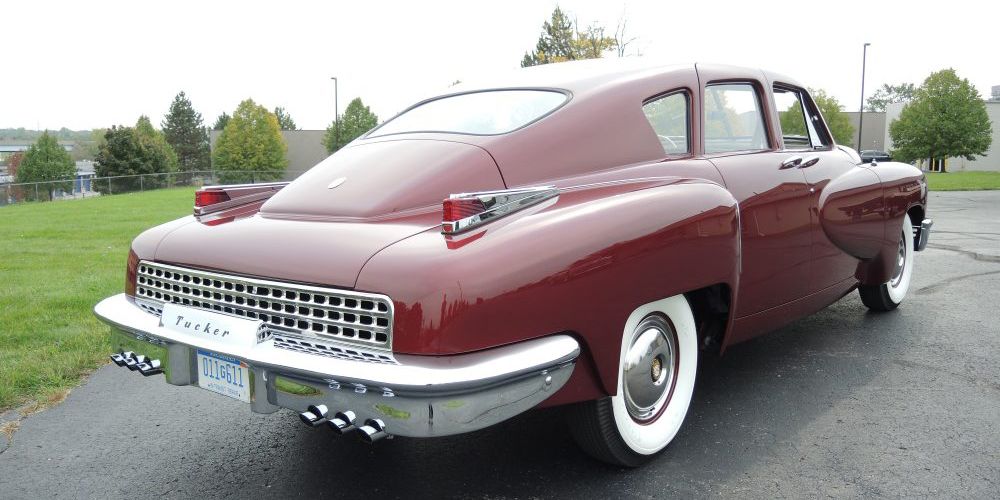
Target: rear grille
316,313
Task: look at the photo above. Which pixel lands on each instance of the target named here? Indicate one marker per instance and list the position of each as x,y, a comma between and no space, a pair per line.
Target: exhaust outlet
151,367
119,358
373,430
314,415
134,362
343,422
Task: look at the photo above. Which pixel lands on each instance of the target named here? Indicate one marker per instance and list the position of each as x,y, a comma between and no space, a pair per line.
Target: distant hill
63,134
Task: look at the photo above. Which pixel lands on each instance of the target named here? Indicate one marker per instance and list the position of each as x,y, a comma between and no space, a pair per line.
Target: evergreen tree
46,160
562,41
221,121
185,132
250,142
356,120
285,120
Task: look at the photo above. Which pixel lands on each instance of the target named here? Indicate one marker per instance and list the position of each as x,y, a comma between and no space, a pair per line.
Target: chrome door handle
791,162
808,162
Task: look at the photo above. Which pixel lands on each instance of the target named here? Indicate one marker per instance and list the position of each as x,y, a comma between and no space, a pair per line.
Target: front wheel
657,368
889,295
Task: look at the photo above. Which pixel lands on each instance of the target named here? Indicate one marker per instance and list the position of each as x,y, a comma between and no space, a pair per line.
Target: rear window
482,113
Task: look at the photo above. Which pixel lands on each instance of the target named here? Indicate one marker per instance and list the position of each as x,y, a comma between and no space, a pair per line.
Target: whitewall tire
658,364
889,295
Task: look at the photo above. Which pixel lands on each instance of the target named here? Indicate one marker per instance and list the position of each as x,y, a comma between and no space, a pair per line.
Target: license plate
224,375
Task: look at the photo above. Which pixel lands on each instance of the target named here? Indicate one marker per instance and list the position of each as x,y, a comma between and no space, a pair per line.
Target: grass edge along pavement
58,259
963,181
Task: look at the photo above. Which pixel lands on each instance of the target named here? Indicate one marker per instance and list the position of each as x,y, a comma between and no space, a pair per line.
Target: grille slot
357,318
311,346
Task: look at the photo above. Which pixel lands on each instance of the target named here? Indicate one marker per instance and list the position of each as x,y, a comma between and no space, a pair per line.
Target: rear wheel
657,367
889,295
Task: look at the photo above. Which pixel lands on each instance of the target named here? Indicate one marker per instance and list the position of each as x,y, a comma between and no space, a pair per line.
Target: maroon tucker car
573,234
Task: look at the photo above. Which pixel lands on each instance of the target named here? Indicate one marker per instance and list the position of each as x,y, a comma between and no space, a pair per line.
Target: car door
771,190
804,133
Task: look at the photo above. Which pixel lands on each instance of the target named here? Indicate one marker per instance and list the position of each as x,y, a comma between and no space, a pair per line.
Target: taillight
468,210
204,198
130,269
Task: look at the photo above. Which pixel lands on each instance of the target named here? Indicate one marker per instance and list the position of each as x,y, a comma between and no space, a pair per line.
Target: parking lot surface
844,403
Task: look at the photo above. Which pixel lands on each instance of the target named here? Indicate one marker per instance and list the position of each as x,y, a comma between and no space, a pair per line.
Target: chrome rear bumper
421,396
923,234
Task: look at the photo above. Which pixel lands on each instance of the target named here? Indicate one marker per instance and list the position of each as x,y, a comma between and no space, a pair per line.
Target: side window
733,119
668,115
797,119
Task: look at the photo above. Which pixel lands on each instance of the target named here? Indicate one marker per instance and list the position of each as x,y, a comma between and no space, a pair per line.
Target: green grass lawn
963,181
58,259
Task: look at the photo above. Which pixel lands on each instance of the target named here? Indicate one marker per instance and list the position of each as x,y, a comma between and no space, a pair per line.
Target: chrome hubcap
897,274
648,374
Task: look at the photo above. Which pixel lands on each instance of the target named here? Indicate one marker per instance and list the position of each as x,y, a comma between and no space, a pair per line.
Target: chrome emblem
336,182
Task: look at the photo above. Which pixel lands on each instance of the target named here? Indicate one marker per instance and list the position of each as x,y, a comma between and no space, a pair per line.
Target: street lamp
861,110
336,114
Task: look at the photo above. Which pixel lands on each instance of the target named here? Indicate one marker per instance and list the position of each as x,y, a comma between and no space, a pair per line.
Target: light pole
336,114
861,110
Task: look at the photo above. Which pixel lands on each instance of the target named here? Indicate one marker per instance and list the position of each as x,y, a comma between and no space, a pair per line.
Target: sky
92,63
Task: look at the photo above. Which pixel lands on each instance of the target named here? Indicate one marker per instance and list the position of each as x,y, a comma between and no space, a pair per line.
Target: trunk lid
312,233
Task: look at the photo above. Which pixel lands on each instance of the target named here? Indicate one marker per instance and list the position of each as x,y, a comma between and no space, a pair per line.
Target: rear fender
578,263
903,187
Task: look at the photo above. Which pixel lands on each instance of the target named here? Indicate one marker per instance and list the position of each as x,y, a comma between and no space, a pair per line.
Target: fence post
36,192
109,185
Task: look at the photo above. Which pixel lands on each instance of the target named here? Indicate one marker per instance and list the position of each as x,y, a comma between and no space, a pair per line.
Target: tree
840,126
46,160
946,118
285,120
131,152
356,120
561,40
833,113
155,141
184,130
221,121
889,94
14,162
250,147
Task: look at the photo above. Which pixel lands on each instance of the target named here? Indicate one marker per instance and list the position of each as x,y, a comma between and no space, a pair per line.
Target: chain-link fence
84,186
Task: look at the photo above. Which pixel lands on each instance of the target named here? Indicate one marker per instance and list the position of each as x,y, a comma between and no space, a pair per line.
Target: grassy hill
57,260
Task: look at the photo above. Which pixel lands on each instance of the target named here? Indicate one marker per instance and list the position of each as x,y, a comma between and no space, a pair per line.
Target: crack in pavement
934,287
975,255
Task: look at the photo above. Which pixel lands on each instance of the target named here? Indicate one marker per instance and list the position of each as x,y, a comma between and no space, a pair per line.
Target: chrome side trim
498,204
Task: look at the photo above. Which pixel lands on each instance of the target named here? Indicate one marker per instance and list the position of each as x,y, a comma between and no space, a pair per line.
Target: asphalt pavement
844,403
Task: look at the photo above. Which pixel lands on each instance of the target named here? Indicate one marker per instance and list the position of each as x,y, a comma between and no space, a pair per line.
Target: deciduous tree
833,112
356,120
46,160
947,118
185,132
131,152
250,147
889,94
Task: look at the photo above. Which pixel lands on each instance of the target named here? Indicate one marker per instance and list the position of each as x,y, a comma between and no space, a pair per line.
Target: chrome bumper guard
923,233
421,396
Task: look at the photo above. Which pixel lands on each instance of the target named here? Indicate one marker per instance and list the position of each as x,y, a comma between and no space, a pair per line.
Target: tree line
249,146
